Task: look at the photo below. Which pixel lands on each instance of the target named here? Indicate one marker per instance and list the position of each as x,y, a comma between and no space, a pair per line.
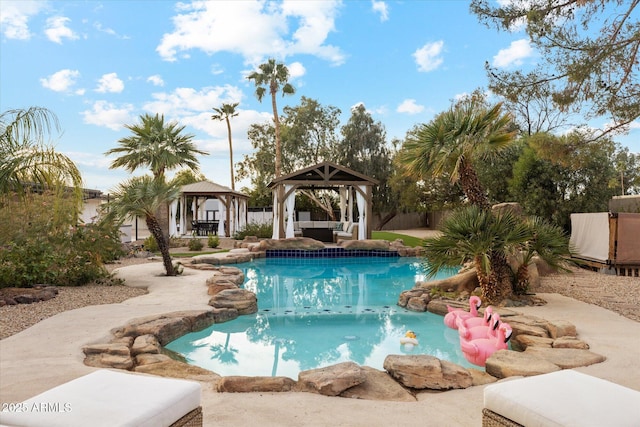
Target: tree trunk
499,278
385,219
233,182
483,280
163,244
276,121
522,285
471,186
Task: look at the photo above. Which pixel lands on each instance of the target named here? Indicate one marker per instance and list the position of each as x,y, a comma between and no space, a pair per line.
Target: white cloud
98,26
254,29
110,83
57,29
382,8
409,106
296,69
105,114
186,101
156,80
428,57
514,54
61,81
14,17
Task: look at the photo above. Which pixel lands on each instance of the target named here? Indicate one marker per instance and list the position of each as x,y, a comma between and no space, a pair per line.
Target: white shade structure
323,176
231,205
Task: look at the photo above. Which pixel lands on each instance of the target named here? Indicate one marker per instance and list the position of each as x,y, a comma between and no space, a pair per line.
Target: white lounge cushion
564,398
109,398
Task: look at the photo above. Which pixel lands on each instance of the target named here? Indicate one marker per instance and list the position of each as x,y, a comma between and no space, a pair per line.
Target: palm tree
275,76
158,145
26,159
143,196
225,112
473,234
545,240
450,143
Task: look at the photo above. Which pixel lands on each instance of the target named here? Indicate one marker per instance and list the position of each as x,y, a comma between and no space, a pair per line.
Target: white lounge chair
111,399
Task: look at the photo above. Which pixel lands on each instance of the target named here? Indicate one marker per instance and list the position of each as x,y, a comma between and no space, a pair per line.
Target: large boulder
145,344
506,363
380,245
331,380
242,300
461,282
167,327
426,372
378,386
302,243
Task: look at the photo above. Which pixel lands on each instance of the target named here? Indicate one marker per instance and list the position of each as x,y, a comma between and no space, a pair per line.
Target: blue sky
101,64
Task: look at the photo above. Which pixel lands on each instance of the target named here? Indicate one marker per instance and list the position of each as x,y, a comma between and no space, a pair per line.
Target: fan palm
143,196
160,146
225,112
545,240
26,160
479,236
450,143
275,76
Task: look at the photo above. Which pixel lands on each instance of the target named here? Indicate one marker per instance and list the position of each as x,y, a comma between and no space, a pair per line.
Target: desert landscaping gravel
616,293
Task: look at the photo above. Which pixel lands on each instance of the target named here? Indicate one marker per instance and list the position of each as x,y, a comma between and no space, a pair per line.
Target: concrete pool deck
49,353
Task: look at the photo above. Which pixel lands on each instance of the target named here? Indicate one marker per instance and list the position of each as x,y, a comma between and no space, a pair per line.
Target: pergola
325,175
233,207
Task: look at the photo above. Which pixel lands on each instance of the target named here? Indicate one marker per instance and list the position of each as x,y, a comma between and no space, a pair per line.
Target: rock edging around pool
540,346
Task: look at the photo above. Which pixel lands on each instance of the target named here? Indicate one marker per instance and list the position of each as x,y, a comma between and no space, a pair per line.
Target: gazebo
325,175
230,216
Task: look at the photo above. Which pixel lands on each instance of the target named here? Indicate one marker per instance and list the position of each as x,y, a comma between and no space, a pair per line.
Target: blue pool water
318,312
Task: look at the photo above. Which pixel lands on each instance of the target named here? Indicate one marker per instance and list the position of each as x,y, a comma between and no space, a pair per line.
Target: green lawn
408,240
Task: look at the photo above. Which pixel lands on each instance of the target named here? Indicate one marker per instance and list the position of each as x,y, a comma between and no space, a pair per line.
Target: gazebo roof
208,188
324,175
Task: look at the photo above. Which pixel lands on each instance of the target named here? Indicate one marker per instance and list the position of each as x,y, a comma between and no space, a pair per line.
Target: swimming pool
318,312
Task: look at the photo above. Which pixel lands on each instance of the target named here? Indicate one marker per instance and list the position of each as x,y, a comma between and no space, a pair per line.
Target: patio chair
112,398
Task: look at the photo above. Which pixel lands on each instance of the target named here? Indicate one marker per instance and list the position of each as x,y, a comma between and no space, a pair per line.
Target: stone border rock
539,346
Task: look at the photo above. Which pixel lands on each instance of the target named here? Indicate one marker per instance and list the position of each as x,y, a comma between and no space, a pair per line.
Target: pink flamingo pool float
468,333
450,319
479,350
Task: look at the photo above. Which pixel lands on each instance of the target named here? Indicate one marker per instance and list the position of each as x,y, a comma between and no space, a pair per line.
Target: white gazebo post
350,208
343,204
173,230
276,216
223,216
362,208
290,195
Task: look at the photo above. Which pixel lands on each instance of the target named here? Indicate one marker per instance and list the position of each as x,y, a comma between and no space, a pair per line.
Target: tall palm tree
27,160
450,143
143,196
275,76
225,112
473,234
160,146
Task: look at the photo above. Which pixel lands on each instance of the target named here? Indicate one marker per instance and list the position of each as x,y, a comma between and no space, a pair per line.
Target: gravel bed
615,293
15,318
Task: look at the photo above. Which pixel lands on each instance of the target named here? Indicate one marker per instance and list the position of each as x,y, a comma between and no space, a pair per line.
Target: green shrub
151,244
213,241
195,244
263,231
42,243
